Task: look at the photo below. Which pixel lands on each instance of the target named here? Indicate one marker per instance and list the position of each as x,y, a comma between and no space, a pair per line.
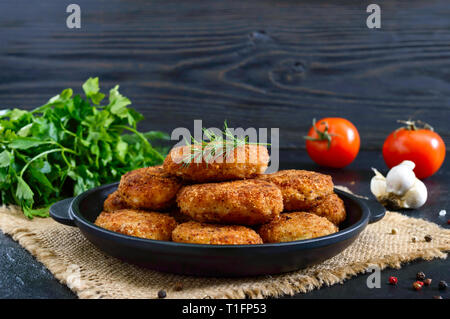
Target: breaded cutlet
242,162
331,207
215,234
301,189
244,202
149,188
114,202
296,226
150,225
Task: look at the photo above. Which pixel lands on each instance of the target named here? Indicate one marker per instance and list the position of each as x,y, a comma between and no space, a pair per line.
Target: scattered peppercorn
178,286
420,276
427,281
162,294
417,285
442,285
394,231
428,238
414,239
393,280
437,297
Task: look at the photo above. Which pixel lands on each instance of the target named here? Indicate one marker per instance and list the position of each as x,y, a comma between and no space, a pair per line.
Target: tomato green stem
413,125
322,135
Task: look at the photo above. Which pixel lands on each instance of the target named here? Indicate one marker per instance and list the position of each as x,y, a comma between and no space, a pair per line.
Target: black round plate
213,260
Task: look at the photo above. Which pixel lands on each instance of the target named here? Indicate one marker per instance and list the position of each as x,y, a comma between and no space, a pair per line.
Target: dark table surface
21,276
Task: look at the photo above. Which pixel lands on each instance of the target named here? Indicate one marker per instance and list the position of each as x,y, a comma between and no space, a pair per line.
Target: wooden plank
254,63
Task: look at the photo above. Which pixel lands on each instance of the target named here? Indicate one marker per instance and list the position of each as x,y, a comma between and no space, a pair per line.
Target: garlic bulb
400,188
400,178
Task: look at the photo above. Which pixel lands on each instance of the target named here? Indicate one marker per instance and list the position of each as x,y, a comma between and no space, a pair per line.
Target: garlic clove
400,178
409,164
378,184
416,196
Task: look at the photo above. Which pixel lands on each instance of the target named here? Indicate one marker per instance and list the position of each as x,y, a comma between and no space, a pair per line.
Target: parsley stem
65,149
65,158
36,157
142,137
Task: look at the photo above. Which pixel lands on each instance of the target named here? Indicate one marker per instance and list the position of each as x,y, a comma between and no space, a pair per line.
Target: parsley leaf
69,145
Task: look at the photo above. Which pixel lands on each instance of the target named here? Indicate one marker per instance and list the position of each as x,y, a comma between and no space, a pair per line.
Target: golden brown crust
246,202
138,223
114,202
213,234
296,226
332,208
301,189
245,161
149,188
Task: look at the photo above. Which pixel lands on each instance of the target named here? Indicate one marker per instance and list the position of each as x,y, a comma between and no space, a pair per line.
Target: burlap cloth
91,274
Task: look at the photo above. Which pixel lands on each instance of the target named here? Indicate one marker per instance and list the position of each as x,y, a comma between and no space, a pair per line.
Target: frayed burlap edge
89,287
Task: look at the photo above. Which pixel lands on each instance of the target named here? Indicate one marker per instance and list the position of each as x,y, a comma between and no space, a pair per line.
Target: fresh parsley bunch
69,145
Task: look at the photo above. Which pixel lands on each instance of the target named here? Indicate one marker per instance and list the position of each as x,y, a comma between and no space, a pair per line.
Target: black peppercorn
428,238
420,276
442,285
162,294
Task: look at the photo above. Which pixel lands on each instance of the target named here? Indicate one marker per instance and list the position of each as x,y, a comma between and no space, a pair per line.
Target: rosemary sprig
215,147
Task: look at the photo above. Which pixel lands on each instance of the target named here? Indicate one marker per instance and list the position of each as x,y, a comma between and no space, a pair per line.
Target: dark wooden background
255,63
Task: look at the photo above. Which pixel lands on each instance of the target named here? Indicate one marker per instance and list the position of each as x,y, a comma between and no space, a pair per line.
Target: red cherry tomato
333,142
423,146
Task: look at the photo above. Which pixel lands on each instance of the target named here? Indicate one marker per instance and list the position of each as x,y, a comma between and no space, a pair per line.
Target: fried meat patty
114,202
137,223
331,207
245,161
149,188
296,226
301,189
215,234
244,202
